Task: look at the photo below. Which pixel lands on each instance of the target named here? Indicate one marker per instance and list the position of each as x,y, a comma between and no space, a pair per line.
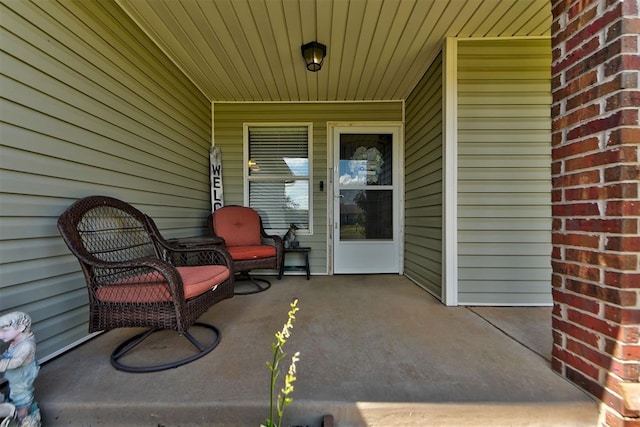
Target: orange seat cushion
138,289
241,253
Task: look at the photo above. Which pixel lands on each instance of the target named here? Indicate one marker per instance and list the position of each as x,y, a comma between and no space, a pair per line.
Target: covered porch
376,350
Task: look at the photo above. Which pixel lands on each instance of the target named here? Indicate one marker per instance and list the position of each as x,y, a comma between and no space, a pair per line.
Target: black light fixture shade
313,54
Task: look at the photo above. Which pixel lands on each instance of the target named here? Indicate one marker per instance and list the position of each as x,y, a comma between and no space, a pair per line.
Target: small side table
302,250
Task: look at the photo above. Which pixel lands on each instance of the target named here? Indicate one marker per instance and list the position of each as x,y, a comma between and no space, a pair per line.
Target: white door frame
383,126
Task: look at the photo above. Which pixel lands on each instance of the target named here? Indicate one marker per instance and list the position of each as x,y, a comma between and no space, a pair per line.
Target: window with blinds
278,175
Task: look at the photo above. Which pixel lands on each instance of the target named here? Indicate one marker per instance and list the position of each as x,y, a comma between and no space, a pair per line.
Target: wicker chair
136,279
248,244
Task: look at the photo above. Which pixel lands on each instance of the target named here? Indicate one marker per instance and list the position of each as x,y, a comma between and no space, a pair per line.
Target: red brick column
596,207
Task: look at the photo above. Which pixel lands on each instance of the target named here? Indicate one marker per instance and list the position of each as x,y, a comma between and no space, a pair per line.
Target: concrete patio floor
376,350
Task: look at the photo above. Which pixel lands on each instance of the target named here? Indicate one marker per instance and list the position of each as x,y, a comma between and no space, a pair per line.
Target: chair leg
134,341
255,282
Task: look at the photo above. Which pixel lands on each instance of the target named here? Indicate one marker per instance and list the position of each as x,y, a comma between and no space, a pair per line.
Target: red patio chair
249,245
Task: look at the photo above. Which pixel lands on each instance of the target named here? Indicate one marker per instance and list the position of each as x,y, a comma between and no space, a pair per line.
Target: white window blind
278,175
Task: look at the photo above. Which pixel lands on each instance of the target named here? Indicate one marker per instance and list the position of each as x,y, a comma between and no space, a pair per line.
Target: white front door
366,213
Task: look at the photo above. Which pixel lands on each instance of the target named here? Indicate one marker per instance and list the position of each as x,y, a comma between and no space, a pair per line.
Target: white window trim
245,168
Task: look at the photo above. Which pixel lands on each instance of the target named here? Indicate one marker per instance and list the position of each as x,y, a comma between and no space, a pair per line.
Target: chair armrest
276,241
272,240
188,256
198,255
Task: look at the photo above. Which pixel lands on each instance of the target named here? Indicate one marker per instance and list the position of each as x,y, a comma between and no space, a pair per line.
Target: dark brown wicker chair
249,245
137,279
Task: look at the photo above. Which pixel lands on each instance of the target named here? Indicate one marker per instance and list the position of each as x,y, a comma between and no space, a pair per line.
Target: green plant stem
274,378
278,355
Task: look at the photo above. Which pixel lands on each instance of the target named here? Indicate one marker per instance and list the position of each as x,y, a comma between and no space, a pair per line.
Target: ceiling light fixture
313,54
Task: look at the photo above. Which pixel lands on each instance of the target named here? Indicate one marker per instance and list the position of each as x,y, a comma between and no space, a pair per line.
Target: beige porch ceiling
249,50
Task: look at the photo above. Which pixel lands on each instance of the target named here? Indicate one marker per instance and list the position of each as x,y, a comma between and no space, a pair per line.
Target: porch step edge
312,413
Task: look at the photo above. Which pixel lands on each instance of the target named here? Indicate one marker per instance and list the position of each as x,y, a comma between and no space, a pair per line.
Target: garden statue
20,367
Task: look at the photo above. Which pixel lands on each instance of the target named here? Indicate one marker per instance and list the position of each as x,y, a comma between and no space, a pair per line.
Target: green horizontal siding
504,176
423,181
89,106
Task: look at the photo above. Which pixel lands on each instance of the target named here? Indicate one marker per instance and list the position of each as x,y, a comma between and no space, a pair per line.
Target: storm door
366,237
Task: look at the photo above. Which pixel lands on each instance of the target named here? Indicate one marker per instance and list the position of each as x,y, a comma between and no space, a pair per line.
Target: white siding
504,172
89,106
423,181
228,125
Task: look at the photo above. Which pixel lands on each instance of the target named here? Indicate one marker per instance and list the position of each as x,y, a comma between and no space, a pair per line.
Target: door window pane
366,159
366,214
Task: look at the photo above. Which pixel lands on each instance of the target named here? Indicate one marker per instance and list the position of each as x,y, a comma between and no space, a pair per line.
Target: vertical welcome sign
215,161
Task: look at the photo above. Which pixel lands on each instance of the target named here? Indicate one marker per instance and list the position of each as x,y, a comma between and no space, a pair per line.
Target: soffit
249,50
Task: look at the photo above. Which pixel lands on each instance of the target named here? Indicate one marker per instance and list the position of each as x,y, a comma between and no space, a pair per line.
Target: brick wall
596,206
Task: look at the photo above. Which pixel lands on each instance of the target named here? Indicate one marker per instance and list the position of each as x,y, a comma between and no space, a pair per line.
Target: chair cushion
196,280
241,253
237,225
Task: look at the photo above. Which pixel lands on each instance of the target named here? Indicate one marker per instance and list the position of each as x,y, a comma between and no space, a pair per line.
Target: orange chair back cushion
238,226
